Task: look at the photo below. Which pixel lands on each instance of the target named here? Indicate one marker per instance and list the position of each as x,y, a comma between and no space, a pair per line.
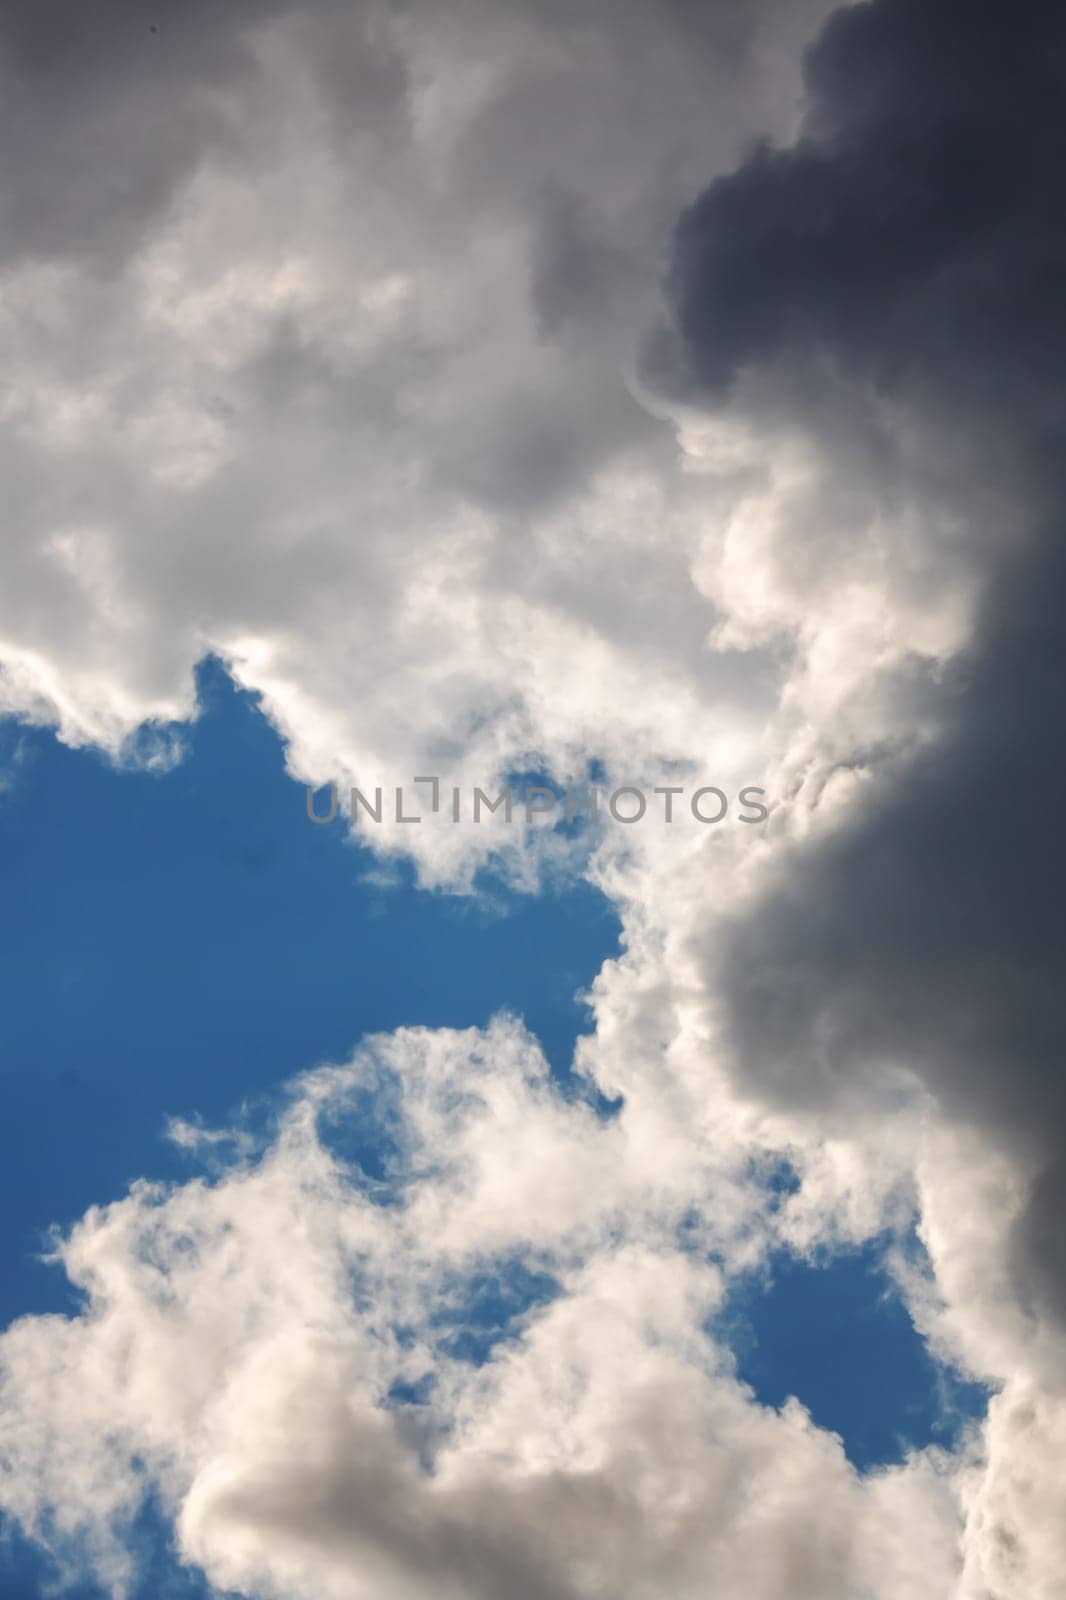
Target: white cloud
241,1340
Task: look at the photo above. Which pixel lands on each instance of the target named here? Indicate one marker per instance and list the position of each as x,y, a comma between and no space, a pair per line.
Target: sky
651,1187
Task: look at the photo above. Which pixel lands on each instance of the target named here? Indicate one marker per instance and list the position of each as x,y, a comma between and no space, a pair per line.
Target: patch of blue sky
27,1572
490,1307
181,940
835,1333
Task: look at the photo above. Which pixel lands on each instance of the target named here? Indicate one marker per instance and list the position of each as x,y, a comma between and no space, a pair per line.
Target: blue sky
189,942
835,1333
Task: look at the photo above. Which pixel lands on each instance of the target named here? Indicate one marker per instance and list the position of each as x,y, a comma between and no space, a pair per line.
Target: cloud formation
268,1354
913,257
336,385
323,354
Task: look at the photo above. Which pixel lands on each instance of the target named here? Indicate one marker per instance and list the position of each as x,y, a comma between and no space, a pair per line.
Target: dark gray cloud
104,109
910,248
913,226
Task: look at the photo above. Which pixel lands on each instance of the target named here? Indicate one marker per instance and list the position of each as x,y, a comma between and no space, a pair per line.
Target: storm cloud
908,251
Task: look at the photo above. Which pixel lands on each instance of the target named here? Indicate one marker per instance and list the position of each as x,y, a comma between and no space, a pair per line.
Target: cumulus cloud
347,400
267,1354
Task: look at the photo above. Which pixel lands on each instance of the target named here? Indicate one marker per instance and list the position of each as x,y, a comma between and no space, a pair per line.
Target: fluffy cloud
269,1353
345,400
